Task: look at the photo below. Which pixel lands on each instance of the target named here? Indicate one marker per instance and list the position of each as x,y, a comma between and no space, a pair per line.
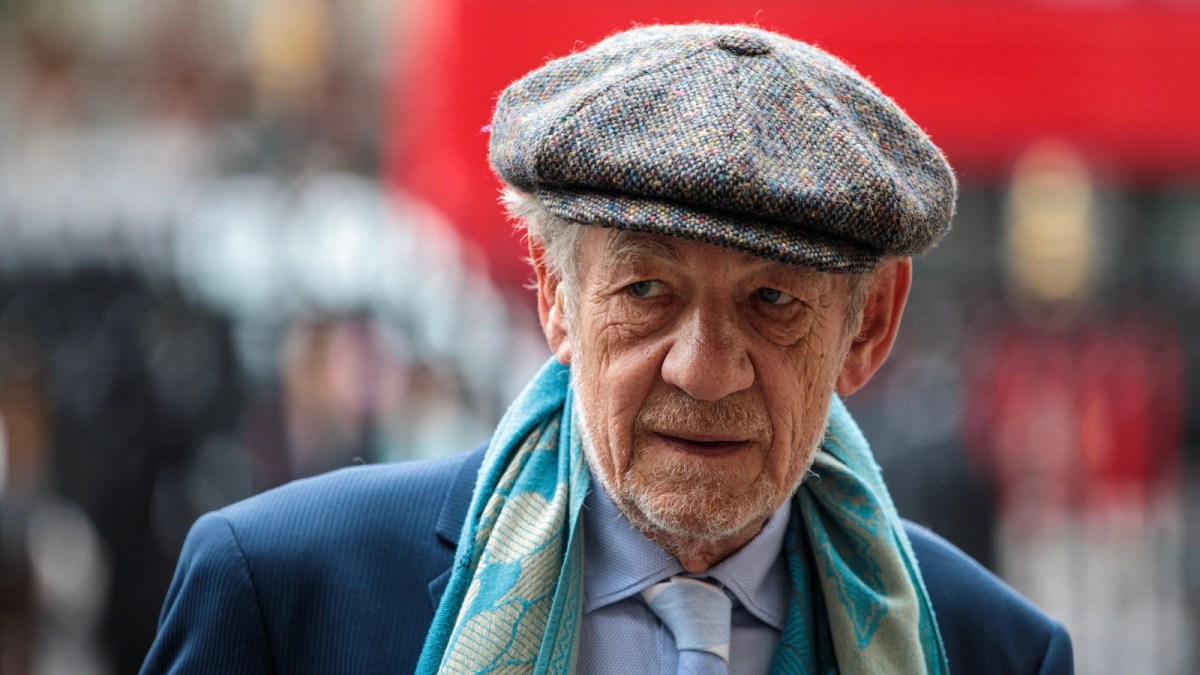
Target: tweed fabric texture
729,135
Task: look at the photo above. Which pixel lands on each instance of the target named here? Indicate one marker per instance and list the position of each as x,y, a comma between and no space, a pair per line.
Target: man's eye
645,289
774,297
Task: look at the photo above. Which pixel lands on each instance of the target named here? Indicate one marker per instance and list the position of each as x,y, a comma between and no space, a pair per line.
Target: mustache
743,415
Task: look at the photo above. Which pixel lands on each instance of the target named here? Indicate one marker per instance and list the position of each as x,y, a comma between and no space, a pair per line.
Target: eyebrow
625,247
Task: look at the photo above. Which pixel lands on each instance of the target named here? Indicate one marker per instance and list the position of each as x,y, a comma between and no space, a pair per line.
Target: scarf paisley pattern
513,603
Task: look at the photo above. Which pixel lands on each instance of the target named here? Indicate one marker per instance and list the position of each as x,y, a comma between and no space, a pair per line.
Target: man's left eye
645,289
774,297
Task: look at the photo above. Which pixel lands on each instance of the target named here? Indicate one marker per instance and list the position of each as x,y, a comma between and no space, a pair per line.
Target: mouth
704,446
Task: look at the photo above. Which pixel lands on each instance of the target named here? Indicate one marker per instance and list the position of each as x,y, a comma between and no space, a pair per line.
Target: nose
706,359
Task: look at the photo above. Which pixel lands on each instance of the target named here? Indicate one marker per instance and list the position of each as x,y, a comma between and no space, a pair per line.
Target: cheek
626,390
795,445
823,352
614,380
801,400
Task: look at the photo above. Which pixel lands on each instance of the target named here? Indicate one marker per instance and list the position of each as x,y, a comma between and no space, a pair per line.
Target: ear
550,305
881,320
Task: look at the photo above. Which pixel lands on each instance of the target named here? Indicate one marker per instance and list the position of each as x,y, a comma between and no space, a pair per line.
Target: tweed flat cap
730,135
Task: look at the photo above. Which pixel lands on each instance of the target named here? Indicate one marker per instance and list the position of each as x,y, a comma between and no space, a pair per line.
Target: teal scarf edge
845,441
538,401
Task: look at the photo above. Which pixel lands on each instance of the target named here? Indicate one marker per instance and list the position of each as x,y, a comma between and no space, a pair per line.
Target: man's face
703,376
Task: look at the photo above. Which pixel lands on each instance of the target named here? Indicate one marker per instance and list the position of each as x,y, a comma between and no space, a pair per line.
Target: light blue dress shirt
620,635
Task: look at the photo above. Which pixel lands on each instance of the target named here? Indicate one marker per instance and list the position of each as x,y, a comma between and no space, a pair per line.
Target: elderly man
720,220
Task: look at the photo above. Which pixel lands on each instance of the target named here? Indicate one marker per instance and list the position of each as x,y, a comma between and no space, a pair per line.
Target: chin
693,501
674,499
696,513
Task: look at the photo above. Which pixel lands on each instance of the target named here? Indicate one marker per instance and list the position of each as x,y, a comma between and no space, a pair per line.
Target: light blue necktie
698,614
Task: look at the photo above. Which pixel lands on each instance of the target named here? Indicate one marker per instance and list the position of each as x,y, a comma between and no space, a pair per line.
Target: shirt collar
620,561
757,573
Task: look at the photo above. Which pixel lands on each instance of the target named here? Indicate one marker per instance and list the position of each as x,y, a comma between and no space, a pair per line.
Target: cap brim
785,243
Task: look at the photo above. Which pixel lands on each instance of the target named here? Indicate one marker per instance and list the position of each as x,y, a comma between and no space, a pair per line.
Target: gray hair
560,241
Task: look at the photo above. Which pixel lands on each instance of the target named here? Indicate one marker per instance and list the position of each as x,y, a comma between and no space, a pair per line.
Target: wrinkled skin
704,376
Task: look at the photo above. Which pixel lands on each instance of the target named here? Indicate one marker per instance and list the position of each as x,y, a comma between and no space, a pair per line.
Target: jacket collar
458,498
453,514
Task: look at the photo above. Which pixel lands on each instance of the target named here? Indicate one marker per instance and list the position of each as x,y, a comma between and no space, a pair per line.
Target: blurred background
244,241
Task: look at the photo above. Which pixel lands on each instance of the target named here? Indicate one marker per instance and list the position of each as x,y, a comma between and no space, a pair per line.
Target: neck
699,555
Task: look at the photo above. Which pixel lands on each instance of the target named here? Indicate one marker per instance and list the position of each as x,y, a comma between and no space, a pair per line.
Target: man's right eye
645,289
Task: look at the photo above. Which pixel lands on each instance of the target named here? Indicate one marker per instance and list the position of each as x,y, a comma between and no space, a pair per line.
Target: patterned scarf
513,604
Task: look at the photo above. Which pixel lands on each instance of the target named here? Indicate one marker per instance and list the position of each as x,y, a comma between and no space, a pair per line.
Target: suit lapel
453,514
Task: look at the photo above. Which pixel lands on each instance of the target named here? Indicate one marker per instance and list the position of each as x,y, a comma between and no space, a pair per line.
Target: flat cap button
743,44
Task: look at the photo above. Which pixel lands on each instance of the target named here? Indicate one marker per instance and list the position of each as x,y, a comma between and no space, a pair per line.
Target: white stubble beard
697,515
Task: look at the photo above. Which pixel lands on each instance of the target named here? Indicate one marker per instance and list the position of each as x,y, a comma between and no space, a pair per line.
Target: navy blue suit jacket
342,573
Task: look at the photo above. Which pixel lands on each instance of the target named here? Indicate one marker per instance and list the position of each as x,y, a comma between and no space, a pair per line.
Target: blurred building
205,292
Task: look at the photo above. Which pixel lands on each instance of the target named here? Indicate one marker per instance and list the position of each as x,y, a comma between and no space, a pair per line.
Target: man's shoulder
369,486
371,505
986,626
344,568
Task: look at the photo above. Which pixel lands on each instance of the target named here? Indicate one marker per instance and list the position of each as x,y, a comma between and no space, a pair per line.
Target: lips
704,445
